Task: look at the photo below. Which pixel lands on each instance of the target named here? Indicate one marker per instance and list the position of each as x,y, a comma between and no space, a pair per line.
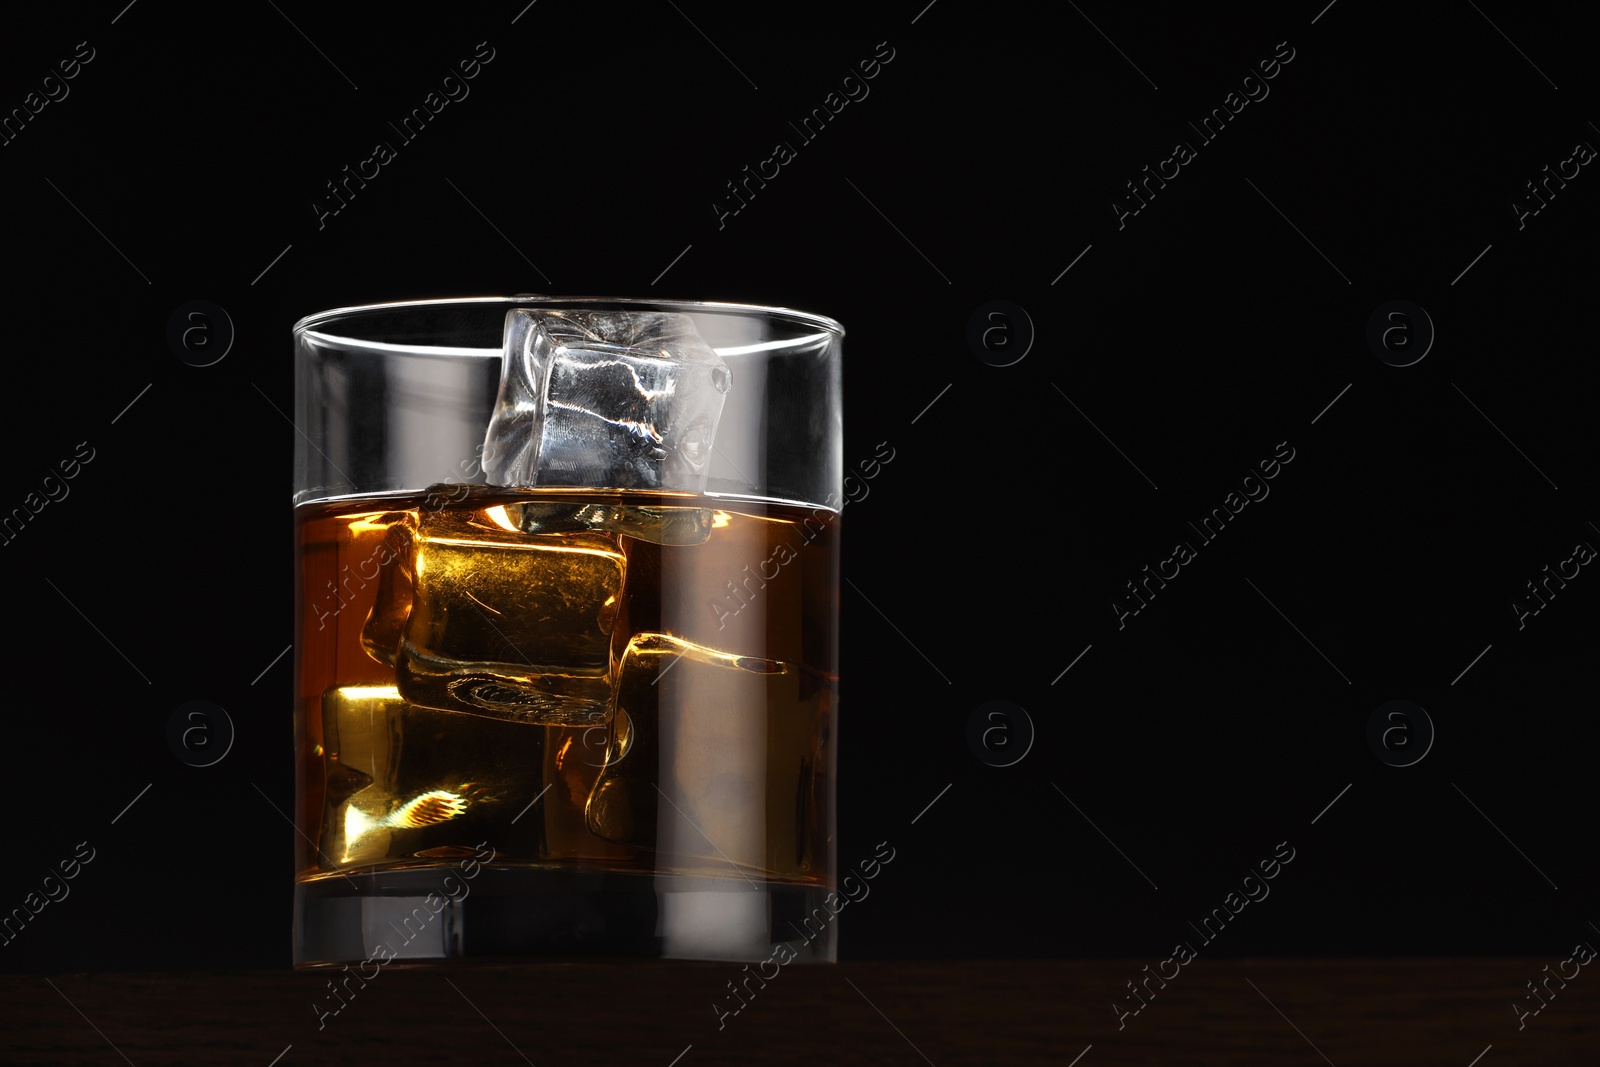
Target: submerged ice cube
704,763
381,633
510,625
621,400
362,730
393,775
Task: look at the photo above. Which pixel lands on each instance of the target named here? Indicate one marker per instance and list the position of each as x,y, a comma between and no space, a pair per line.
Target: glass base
510,914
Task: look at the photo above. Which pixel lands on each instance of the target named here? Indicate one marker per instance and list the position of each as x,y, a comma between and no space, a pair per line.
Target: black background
1178,750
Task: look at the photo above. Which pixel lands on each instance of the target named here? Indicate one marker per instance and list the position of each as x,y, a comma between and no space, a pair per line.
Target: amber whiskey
619,695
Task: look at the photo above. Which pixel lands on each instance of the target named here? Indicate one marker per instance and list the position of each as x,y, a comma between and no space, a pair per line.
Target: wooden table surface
1289,1012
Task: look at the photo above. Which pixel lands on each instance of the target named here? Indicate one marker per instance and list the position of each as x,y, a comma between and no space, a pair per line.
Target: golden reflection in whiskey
610,680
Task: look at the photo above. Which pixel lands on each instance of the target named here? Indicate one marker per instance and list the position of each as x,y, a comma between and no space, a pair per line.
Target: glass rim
579,302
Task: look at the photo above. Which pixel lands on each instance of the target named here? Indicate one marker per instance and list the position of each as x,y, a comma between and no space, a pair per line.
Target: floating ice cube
622,400
659,525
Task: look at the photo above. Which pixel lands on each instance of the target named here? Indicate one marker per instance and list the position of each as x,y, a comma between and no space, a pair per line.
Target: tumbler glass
566,638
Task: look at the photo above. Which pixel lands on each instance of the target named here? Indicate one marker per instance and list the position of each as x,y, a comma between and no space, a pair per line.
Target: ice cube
381,633
622,400
706,762
572,762
659,525
510,625
393,774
